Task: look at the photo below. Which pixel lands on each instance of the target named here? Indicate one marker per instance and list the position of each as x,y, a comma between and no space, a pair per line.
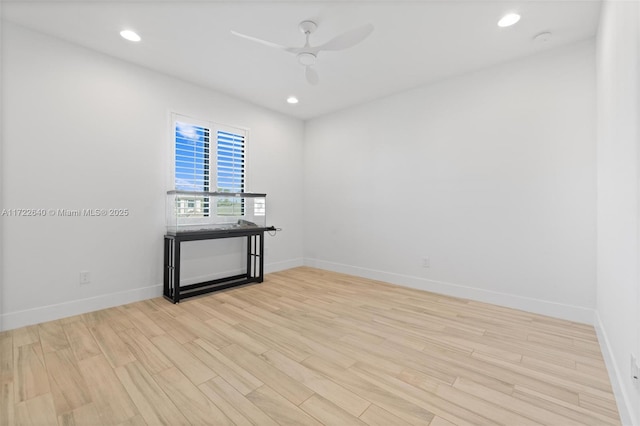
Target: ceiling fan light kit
307,55
307,59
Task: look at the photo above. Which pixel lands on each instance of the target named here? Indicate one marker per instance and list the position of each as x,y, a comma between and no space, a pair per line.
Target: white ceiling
414,42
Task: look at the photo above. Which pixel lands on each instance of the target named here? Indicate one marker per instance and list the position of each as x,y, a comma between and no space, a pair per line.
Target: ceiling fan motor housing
307,27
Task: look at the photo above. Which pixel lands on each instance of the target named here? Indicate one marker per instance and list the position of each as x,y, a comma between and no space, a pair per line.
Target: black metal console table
255,262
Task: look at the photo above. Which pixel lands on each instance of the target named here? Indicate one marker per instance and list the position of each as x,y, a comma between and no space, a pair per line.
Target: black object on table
254,268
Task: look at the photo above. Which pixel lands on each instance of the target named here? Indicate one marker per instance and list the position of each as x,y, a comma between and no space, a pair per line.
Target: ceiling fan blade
259,40
312,75
348,39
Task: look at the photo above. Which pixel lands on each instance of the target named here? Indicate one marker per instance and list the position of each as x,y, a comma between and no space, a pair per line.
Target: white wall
618,305
1,174
84,130
490,174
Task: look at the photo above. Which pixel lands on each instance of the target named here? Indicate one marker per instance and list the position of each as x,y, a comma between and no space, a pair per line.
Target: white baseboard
283,265
12,320
37,315
625,407
542,307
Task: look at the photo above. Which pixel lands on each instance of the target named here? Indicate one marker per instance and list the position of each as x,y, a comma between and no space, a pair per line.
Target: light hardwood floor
306,347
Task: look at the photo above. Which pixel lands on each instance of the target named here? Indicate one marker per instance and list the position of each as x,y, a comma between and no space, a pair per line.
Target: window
195,154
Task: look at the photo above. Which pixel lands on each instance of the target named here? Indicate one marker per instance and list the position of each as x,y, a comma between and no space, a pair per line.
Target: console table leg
176,271
261,254
167,267
249,255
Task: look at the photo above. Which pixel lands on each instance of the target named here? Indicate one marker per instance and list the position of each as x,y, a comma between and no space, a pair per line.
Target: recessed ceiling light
130,35
508,20
292,100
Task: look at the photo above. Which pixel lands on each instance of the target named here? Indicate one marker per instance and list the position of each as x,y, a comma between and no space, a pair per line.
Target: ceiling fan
308,54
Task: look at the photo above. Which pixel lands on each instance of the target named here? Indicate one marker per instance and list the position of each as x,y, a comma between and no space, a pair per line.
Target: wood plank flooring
306,347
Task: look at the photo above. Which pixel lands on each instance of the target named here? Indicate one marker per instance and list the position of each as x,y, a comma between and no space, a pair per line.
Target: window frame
213,129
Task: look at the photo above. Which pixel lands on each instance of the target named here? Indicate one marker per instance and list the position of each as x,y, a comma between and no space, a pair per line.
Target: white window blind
230,164
192,168
192,157
230,171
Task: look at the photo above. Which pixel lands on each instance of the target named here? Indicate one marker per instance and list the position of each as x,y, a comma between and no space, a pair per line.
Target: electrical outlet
85,278
634,368
426,262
